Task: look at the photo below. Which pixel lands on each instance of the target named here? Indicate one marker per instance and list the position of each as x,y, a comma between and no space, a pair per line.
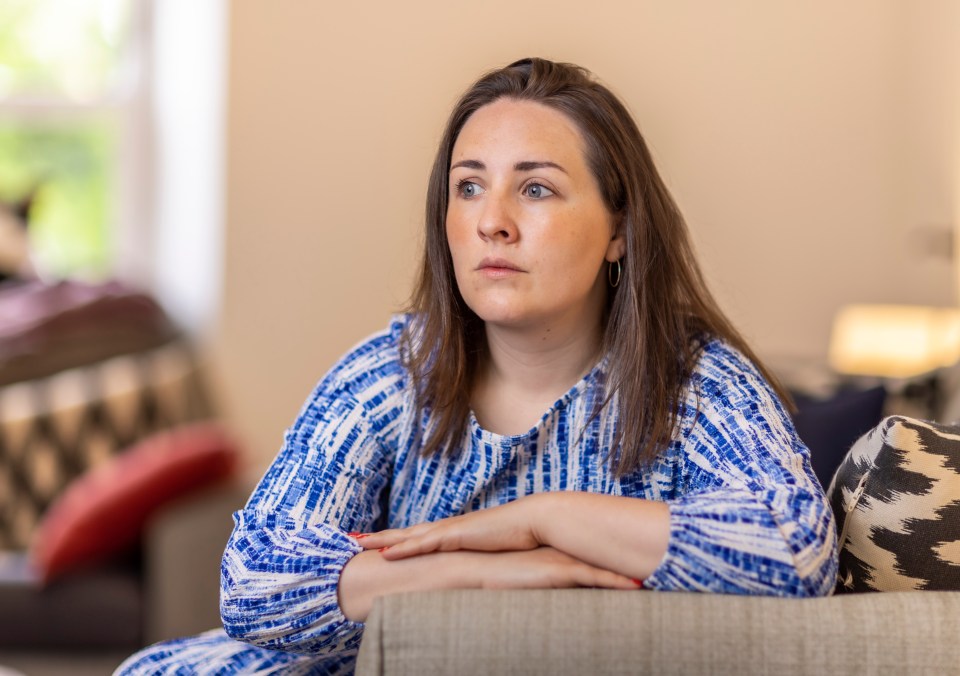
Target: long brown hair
652,317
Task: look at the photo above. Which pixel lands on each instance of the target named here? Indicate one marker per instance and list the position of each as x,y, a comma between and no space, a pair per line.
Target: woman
564,405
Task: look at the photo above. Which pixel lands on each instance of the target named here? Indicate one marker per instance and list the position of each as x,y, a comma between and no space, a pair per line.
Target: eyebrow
519,166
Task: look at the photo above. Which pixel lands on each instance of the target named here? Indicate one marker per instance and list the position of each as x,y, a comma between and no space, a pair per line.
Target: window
70,88
88,90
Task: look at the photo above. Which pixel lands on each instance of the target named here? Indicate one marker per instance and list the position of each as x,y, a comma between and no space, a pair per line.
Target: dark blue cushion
829,427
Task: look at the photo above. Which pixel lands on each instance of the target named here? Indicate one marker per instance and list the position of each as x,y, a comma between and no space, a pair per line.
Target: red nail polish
383,549
358,536
639,583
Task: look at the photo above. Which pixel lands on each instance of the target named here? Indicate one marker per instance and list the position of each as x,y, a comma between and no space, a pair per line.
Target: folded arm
774,541
753,519
289,545
370,575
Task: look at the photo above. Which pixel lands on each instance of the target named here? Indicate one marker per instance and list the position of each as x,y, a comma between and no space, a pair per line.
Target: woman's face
527,227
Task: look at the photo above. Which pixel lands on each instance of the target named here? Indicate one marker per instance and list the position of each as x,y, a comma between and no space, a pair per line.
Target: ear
618,242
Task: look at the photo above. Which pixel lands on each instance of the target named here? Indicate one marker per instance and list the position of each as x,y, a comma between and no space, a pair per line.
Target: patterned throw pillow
897,501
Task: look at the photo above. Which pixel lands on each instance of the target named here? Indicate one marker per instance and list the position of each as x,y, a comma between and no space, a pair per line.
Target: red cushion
102,513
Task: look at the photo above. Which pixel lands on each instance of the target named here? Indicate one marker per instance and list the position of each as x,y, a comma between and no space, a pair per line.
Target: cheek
458,222
456,242
575,270
455,237
459,242
573,255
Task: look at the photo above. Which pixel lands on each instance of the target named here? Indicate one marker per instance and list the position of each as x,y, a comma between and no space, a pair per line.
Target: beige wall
804,141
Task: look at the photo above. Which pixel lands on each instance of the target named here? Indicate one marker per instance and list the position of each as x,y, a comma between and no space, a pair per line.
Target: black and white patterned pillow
897,501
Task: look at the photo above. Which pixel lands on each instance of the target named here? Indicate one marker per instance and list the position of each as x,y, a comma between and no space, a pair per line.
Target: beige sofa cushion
587,631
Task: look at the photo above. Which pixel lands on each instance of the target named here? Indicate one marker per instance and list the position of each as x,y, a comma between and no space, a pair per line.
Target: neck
541,360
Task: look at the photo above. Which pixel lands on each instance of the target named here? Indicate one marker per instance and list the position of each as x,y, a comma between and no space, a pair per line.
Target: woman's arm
369,575
627,536
284,558
753,518
774,540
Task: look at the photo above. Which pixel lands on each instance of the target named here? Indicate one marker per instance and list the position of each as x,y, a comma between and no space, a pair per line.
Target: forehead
518,130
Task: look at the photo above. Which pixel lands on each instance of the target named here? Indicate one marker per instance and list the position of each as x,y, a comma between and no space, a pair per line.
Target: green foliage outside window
67,61
70,169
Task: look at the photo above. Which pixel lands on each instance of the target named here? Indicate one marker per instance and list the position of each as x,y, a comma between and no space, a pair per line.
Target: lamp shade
894,341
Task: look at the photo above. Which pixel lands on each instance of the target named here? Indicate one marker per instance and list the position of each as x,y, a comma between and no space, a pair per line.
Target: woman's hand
616,533
509,527
544,568
368,575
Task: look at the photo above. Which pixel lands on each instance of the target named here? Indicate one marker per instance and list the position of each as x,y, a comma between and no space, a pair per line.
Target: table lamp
896,342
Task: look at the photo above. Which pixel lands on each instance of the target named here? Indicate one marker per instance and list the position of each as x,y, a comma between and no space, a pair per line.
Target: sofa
587,631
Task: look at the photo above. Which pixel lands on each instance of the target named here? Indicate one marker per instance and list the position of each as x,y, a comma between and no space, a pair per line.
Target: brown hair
653,316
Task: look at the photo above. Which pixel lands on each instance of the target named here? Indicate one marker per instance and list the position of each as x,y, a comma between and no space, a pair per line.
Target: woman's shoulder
369,381
722,370
381,346
719,359
374,366
728,391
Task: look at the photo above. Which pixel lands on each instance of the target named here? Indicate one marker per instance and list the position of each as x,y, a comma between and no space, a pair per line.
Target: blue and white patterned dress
747,515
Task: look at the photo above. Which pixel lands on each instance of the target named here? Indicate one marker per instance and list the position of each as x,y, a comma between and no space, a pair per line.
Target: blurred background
258,169
261,169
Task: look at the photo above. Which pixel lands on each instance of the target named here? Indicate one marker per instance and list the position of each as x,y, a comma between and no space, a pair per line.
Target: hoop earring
615,279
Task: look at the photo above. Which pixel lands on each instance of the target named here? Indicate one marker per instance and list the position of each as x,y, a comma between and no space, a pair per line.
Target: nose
496,220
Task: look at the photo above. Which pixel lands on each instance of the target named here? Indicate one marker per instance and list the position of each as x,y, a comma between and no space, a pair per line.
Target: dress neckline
479,432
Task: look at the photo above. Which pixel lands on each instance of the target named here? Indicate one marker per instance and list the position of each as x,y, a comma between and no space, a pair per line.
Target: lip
498,266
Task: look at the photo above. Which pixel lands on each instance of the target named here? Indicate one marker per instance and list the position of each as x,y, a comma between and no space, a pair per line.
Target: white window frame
166,235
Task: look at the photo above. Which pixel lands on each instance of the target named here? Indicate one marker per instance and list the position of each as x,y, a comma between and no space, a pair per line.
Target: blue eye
537,191
468,189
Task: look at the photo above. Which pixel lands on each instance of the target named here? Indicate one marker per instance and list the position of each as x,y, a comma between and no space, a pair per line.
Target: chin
501,318
495,312
508,317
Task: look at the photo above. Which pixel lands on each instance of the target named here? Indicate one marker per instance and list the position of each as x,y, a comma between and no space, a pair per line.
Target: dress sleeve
282,563
751,518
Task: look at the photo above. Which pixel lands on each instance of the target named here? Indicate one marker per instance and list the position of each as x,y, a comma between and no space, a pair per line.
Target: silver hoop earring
615,279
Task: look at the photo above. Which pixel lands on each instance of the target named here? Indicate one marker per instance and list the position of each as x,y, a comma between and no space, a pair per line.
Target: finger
419,536
384,538
439,539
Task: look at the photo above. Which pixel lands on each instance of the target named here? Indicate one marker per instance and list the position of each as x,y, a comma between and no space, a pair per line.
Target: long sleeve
282,564
751,517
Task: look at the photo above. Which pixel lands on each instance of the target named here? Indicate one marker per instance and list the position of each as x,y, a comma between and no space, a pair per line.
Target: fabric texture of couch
588,631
